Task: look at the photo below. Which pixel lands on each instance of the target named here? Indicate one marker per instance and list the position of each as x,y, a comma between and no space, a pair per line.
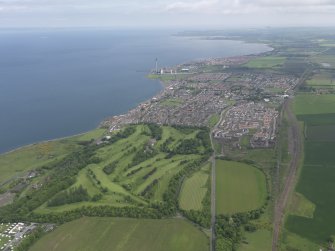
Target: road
281,203
213,186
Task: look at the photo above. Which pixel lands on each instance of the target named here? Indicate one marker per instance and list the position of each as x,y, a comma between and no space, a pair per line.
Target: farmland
266,62
124,235
239,187
321,80
310,104
312,207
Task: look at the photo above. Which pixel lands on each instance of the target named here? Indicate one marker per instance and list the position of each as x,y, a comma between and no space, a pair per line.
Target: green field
311,214
266,62
124,235
213,120
194,190
314,104
239,187
321,80
325,59
257,241
132,183
17,162
172,102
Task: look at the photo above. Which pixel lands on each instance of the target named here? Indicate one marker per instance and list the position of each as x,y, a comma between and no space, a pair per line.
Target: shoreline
161,82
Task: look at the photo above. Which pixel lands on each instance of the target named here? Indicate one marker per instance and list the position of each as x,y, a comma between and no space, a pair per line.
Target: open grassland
15,163
327,61
266,62
124,235
300,206
314,104
239,187
321,80
27,158
172,102
257,241
194,190
291,241
213,120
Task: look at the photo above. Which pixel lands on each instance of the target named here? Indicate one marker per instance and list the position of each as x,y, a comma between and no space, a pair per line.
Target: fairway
134,178
194,190
118,234
239,187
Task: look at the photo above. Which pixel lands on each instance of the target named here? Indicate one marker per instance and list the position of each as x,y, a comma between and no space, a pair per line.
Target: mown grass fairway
194,190
239,187
139,170
266,62
100,234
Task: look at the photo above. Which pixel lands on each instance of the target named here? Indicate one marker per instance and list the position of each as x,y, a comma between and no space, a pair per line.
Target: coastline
160,81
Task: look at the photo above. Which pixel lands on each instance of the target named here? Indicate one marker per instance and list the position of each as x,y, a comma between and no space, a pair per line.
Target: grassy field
300,206
314,104
321,80
311,214
239,187
213,120
257,241
194,189
329,60
124,235
33,156
172,102
266,62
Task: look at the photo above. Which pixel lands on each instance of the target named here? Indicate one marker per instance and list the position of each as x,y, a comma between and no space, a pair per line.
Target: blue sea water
56,83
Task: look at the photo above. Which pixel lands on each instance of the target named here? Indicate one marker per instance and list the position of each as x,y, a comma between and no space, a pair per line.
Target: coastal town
213,93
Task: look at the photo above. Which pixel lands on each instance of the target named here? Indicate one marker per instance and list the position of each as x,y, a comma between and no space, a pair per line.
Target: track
213,213
281,203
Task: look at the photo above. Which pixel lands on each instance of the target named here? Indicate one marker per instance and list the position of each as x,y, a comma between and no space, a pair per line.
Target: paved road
213,187
281,203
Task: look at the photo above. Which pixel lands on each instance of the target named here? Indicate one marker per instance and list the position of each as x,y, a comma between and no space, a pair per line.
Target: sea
60,82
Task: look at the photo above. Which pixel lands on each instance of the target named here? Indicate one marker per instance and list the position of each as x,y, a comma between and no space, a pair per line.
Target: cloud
251,6
207,6
138,12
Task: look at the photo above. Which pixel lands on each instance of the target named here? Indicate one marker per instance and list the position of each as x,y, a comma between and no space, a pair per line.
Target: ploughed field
122,234
239,187
312,216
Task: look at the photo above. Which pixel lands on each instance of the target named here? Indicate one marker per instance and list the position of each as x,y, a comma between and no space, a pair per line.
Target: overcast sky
164,13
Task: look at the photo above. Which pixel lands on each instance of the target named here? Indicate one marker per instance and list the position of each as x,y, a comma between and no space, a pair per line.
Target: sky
164,13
